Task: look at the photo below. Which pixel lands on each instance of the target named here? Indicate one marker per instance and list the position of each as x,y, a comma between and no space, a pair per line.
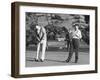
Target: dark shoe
41,60
67,60
36,60
76,60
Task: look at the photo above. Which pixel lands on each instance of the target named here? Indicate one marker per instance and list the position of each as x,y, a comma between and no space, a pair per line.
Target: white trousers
40,45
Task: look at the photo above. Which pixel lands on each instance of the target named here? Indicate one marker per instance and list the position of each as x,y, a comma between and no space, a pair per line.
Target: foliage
53,27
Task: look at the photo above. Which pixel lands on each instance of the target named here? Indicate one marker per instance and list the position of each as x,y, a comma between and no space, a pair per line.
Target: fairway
56,56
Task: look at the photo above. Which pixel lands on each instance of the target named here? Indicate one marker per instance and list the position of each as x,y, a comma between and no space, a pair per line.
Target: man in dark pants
74,45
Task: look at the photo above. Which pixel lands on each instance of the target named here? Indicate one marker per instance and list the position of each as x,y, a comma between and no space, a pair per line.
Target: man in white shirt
42,43
74,46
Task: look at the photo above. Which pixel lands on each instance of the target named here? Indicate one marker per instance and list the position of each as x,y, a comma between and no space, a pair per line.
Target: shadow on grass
50,60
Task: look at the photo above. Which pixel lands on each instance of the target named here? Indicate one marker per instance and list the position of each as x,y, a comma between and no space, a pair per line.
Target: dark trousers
74,47
68,45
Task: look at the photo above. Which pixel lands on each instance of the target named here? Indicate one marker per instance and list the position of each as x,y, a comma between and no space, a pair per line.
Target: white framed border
53,69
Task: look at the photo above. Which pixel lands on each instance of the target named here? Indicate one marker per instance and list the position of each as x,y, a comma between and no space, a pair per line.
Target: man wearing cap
74,46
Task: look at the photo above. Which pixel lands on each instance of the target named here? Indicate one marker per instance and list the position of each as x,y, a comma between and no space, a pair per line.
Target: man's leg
68,45
70,52
43,50
76,56
38,51
76,44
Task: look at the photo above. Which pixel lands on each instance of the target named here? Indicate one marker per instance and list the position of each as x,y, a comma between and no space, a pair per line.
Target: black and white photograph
57,39
51,39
